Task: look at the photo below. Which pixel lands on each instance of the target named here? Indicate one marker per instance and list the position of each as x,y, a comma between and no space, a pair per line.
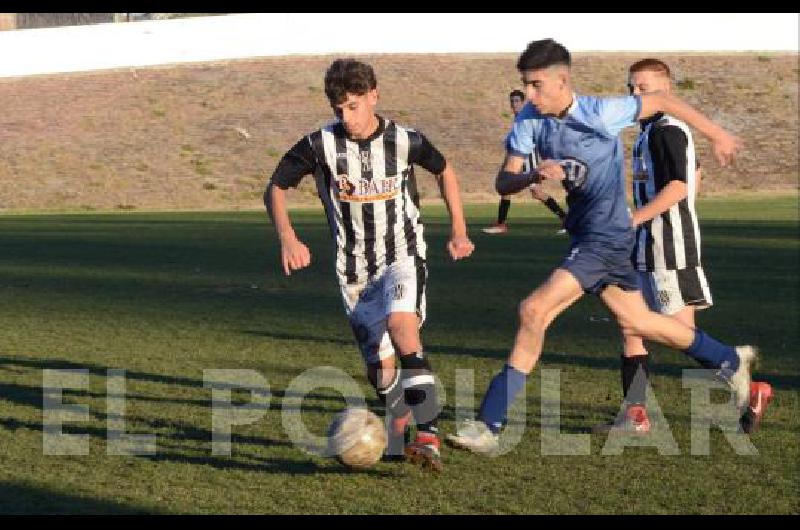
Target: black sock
420,391
392,395
633,388
553,206
502,212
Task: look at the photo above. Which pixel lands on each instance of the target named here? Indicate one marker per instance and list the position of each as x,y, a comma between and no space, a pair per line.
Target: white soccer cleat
561,232
500,228
740,380
475,436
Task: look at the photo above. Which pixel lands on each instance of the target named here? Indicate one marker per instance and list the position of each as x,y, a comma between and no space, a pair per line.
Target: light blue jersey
588,145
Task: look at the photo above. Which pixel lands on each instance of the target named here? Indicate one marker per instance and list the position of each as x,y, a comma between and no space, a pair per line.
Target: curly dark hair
348,76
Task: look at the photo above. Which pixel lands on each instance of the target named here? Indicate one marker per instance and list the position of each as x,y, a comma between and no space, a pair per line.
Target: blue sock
501,393
711,353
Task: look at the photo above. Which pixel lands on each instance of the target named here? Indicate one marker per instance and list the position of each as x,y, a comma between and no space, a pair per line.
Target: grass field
166,295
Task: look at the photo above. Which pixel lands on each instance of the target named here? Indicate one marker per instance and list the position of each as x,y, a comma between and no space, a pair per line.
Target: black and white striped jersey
369,192
663,152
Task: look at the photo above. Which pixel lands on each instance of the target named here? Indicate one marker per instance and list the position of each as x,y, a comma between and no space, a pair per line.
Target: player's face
357,114
516,104
646,81
547,89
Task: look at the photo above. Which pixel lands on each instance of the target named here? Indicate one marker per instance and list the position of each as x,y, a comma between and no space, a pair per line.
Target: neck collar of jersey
652,119
379,131
566,112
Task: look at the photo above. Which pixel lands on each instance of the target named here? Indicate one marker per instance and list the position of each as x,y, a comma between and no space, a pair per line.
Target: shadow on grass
97,369
18,498
178,454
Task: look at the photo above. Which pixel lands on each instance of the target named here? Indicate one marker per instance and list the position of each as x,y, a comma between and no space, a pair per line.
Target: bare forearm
670,195
662,102
448,183
275,201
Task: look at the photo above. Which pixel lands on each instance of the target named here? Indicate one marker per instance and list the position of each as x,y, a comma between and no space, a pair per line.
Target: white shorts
401,288
667,292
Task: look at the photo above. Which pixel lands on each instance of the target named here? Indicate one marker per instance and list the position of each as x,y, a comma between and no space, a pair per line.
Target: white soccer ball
357,438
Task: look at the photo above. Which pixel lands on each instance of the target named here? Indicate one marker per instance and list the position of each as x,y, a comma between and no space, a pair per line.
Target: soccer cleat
499,228
634,421
739,380
760,396
424,451
561,232
475,436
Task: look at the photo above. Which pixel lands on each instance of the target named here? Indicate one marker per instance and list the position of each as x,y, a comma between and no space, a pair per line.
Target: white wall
79,48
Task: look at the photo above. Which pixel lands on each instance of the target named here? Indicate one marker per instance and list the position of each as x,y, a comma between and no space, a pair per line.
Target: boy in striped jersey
363,167
666,253
578,139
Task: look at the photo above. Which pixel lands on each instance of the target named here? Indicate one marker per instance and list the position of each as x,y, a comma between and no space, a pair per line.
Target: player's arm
668,150
296,163
511,180
725,144
671,194
426,155
459,245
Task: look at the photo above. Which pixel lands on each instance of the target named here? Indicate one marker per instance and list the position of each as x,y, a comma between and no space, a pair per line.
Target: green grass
166,295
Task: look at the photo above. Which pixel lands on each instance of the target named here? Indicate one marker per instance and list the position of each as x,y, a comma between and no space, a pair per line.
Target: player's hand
725,147
294,255
538,193
460,247
551,169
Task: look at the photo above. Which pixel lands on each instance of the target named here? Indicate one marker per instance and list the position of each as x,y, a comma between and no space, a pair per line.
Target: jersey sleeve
298,162
668,145
423,153
519,141
618,113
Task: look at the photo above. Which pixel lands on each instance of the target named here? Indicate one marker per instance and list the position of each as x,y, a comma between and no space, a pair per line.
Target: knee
531,313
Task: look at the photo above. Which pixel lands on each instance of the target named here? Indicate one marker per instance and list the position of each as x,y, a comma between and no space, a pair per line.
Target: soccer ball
357,438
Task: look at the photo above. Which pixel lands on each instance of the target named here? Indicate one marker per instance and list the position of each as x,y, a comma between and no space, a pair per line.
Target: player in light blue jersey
577,137
517,100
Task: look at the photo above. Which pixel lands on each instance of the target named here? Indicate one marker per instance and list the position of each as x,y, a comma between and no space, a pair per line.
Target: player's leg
691,291
536,313
634,370
404,300
500,226
635,375
384,375
635,318
369,325
664,293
